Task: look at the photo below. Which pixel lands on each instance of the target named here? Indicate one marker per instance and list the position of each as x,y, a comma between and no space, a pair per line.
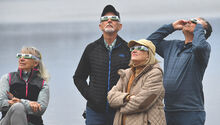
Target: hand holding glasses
195,21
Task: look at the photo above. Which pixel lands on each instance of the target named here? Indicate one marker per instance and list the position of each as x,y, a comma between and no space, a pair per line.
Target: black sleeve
81,74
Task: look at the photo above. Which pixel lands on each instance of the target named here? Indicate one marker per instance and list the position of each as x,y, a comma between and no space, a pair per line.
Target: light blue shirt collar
110,47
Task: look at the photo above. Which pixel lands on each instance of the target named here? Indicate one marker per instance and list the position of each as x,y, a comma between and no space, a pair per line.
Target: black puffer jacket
101,66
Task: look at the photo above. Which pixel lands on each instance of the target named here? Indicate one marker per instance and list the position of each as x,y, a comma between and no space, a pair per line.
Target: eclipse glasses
27,56
141,48
113,18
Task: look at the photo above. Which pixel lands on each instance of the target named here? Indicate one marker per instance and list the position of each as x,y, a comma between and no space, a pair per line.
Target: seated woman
138,95
24,95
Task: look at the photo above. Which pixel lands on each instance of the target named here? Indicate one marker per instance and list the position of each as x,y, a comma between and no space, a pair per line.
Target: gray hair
208,28
42,70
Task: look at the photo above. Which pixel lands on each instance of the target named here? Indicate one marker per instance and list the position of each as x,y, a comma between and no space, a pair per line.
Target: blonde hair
42,70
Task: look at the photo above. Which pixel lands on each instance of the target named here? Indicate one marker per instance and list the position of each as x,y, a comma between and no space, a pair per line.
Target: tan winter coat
145,106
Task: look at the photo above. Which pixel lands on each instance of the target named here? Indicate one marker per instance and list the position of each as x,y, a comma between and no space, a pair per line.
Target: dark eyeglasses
113,18
195,21
27,56
141,48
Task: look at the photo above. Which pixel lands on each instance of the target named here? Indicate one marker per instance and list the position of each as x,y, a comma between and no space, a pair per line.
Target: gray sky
80,10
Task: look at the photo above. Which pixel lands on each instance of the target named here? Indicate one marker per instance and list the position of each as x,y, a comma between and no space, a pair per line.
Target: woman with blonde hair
24,94
138,95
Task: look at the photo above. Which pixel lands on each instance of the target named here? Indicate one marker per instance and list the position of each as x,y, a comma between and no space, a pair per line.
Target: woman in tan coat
138,95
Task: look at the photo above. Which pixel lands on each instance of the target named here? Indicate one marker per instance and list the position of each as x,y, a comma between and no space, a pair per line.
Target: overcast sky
78,10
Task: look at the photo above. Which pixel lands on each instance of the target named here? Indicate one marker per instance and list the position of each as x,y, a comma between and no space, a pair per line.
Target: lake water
62,45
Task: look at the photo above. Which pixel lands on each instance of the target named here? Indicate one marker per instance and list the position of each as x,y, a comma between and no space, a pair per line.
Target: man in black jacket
100,61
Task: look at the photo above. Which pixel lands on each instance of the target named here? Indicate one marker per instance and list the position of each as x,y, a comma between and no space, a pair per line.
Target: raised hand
178,25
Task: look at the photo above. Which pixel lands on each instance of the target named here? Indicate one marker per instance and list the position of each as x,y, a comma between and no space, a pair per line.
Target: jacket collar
126,74
118,42
33,73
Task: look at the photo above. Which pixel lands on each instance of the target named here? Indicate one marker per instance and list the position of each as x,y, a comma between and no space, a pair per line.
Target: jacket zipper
26,89
26,82
109,73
